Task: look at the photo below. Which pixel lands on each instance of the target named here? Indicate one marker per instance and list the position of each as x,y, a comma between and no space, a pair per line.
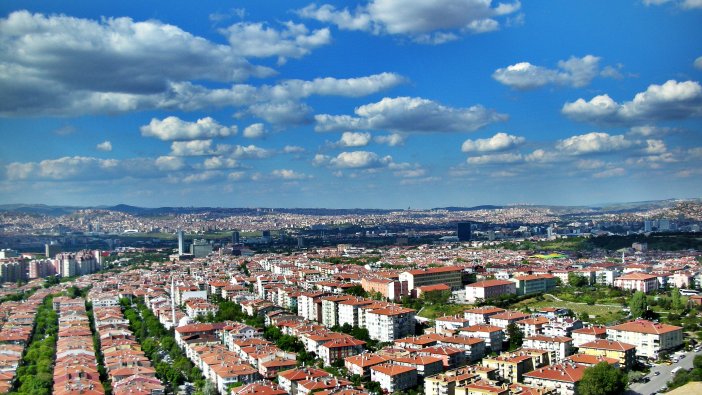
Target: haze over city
370,104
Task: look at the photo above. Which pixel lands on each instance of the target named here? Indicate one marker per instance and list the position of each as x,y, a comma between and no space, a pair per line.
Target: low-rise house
560,346
493,336
624,353
563,378
586,335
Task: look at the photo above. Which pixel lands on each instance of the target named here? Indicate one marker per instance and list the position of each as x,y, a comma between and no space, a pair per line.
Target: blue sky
371,104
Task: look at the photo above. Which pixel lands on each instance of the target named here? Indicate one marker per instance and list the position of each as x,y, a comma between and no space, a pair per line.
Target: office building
181,243
463,231
51,249
235,237
200,248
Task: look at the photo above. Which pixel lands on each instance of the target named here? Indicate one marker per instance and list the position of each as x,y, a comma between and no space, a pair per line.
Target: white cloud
255,131
392,140
589,164
495,159
58,64
251,152
593,142
614,172
293,149
698,63
169,163
359,160
86,168
542,156
575,72
649,131
191,148
173,128
427,22
105,146
260,41
320,160
672,100
684,4
200,177
655,147
287,174
353,139
220,162
498,142
411,114
281,113
236,176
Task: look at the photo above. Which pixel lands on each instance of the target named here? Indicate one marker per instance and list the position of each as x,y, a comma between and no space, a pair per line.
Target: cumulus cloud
593,142
495,159
391,140
220,162
320,159
410,114
287,174
672,100
698,63
613,172
575,72
169,163
255,131
85,168
359,160
200,177
261,41
426,22
58,64
250,152
498,142
589,164
105,146
684,4
353,139
293,149
649,131
192,148
173,128
61,65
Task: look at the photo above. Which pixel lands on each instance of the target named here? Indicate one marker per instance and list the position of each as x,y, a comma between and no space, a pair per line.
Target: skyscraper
181,243
463,231
235,237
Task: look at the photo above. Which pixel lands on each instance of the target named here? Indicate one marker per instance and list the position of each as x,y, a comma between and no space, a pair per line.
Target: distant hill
39,209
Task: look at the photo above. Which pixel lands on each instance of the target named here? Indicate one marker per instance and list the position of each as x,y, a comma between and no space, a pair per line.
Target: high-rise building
181,243
200,248
463,231
648,226
267,236
51,249
235,237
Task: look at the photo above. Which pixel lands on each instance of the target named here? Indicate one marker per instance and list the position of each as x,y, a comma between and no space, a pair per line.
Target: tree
516,336
638,304
677,303
576,280
602,379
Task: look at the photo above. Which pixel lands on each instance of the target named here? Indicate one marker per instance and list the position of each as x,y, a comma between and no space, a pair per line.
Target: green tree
676,302
638,304
602,379
516,336
575,280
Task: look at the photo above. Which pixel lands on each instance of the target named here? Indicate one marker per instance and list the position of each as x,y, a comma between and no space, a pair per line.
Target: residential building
637,281
560,346
650,338
586,335
449,275
493,336
390,323
563,378
624,353
394,377
489,289
481,315
533,284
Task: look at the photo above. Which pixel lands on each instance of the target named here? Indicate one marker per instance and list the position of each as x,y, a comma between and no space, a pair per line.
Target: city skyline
382,104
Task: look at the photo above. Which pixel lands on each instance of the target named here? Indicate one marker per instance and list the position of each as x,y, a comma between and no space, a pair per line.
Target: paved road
658,382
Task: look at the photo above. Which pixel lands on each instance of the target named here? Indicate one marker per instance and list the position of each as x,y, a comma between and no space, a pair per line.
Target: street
658,382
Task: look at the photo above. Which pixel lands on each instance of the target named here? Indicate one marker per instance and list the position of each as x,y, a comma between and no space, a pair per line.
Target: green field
436,311
599,314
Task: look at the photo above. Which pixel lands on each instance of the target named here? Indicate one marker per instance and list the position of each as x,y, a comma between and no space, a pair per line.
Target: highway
658,382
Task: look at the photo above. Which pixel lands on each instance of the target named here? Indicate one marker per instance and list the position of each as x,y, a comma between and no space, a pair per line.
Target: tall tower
235,237
181,246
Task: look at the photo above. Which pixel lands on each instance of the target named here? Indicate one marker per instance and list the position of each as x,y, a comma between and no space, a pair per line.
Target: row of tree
36,374
171,364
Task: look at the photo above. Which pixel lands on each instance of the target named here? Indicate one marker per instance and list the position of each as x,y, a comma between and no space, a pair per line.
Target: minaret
175,324
622,257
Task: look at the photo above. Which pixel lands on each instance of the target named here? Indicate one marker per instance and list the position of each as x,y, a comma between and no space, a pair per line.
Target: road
658,382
